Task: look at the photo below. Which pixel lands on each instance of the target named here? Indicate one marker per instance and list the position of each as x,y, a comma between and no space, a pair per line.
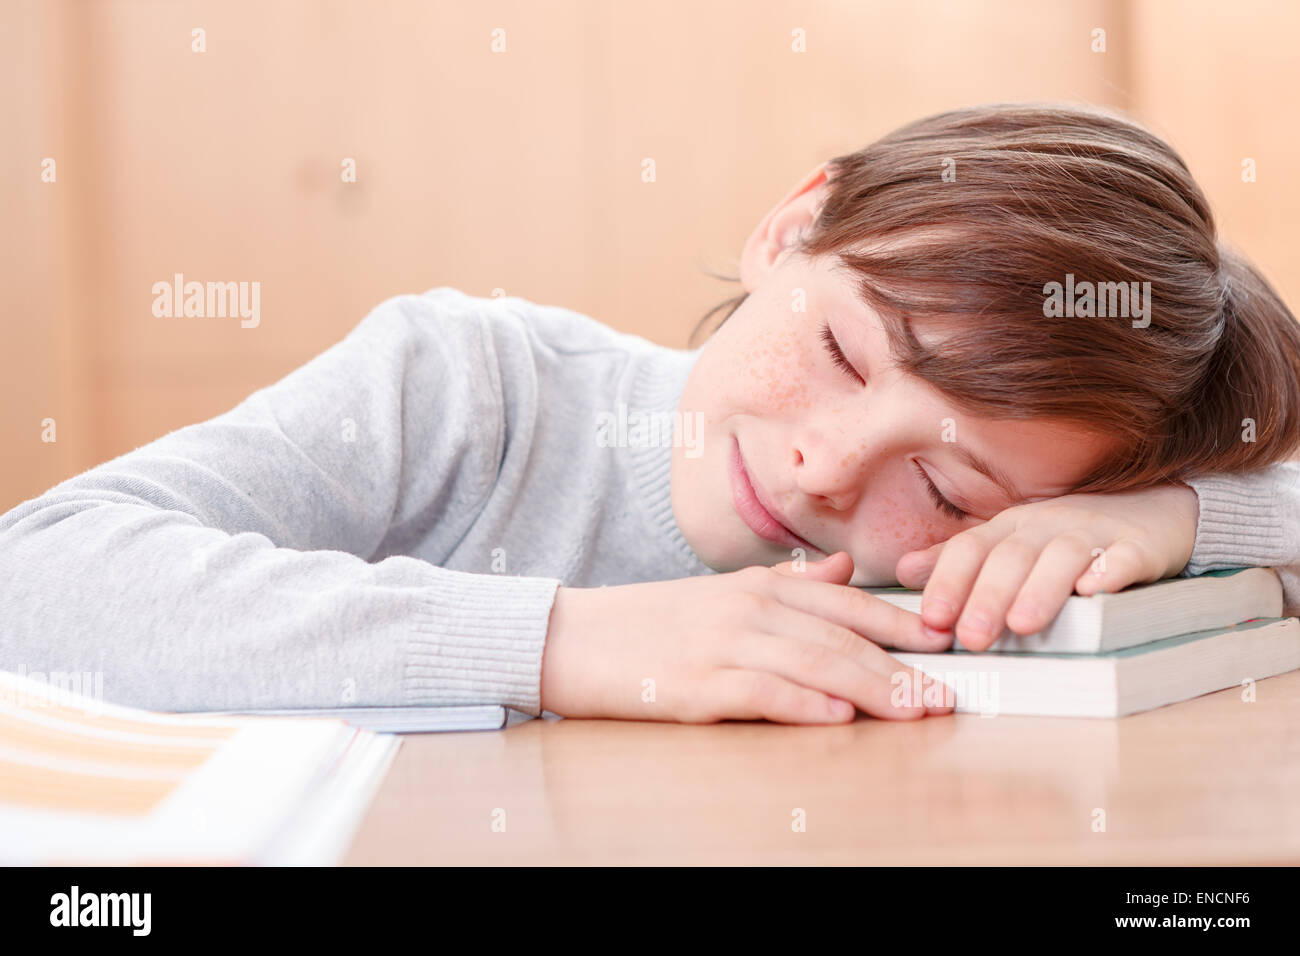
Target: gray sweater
387,525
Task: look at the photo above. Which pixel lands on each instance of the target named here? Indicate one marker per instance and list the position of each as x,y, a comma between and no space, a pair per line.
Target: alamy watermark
211,300
973,691
1098,299
76,908
635,429
81,690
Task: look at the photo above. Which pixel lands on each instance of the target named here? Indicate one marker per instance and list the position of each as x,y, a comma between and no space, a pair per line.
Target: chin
733,556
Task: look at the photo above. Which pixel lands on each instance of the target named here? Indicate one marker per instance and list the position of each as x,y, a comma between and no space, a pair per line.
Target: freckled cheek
776,375
895,528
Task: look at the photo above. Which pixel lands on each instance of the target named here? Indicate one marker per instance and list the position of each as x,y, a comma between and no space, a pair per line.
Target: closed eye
837,354
940,502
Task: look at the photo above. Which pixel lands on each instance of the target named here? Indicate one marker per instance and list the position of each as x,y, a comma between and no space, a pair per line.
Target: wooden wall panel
1219,83
41,366
518,170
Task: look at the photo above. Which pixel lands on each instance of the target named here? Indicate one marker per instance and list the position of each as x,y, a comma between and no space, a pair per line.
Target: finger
821,655
859,611
914,684
1050,583
793,623
913,569
760,695
812,664
1003,573
954,573
836,568
1123,563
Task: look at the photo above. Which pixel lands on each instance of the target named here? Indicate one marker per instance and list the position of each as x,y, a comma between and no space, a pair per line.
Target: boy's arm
225,565
1250,520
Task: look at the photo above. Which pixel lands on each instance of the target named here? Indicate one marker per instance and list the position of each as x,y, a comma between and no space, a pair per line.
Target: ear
778,230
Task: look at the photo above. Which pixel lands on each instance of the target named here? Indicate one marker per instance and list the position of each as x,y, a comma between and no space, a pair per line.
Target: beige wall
518,170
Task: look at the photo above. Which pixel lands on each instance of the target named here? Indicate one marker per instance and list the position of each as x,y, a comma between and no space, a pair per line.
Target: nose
833,471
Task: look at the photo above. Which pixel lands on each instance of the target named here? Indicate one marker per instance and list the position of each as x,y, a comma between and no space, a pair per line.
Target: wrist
560,689
1185,505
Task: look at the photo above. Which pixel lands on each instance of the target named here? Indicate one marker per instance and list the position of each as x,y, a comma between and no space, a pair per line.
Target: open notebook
87,782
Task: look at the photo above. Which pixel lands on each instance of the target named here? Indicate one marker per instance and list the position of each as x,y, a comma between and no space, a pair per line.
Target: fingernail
935,635
841,709
974,623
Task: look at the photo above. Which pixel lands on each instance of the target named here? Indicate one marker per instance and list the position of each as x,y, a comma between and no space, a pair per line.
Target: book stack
1110,655
84,782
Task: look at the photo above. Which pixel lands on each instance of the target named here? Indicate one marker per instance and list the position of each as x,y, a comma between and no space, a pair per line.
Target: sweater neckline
656,389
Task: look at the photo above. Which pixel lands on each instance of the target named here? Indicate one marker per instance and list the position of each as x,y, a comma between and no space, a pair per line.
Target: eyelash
837,354
942,503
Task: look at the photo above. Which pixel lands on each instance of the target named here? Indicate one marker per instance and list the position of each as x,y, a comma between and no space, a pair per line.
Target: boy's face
796,452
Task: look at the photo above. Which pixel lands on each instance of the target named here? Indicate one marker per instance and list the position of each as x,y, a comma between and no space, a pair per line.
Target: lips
763,519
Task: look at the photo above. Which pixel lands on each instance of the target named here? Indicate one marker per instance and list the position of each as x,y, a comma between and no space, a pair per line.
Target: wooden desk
1210,781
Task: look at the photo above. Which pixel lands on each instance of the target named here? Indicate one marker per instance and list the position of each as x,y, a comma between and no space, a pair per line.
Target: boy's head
1035,291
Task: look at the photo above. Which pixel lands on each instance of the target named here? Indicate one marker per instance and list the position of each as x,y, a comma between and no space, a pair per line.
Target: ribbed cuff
1240,524
478,639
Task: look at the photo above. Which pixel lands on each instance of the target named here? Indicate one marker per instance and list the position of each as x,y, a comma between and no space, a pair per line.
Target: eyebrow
989,471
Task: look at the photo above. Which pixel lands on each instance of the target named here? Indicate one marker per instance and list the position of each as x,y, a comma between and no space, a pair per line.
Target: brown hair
1042,191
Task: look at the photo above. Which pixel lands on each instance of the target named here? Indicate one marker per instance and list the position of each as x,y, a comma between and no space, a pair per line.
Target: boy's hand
790,645
1019,567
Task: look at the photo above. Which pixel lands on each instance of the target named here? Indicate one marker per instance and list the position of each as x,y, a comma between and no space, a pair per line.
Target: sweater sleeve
224,566
1251,520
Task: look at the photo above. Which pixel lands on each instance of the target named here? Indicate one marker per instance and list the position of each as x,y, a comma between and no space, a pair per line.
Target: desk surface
1213,780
